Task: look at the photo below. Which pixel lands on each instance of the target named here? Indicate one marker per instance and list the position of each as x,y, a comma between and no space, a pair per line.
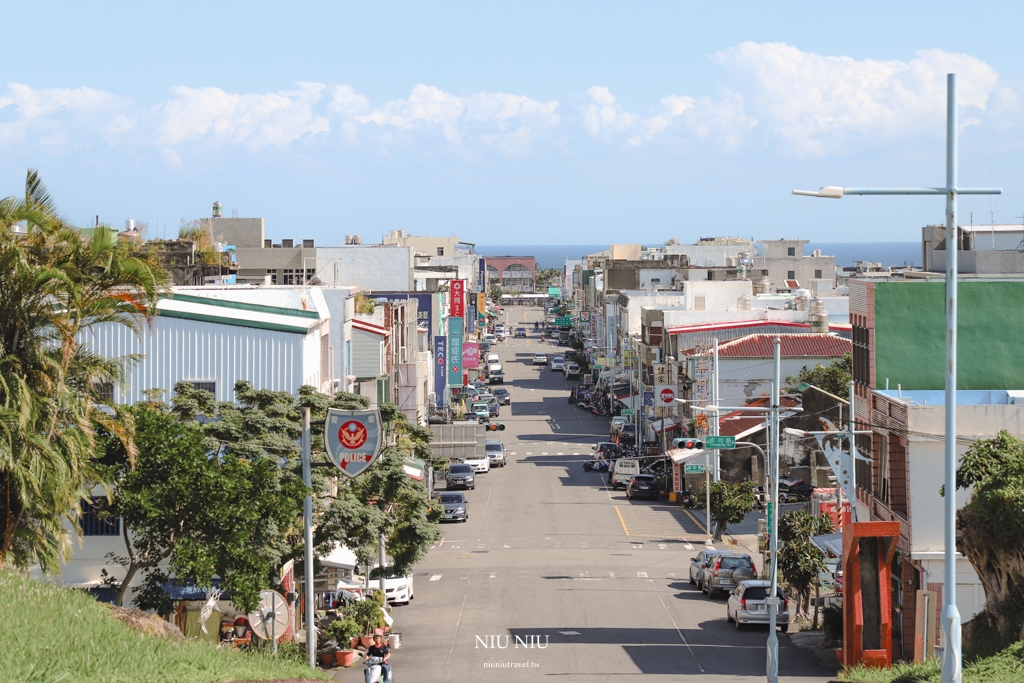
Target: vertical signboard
458,299
440,367
481,309
470,355
455,352
471,316
481,276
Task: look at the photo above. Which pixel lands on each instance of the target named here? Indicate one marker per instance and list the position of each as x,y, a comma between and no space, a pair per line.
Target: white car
479,464
540,359
557,364
397,589
496,453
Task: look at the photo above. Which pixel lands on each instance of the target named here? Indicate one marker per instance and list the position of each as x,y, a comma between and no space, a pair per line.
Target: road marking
696,521
492,575
688,546
480,545
456,634
611,575
529,453
507,545
662,546
641,575
560,454
621,520
435,577
671,575
678,632
583,574
543,453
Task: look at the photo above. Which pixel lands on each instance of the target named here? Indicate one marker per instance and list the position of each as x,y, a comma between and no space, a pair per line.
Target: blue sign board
471,317
440,367
455,352
481,277
424,304
648,398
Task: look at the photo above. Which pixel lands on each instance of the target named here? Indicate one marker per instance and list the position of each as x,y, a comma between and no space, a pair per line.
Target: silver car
698,563
747,605
558,364
496,453
724,571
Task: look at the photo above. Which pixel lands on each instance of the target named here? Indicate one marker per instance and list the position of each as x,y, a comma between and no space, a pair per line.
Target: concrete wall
241,232
708,255
365,265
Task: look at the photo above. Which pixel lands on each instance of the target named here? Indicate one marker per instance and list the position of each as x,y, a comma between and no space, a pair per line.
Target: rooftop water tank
218,209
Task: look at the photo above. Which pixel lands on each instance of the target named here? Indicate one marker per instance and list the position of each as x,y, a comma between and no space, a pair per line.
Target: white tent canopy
679,455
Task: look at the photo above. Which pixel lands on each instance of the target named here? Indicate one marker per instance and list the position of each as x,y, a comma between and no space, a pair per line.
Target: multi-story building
981,249
788,268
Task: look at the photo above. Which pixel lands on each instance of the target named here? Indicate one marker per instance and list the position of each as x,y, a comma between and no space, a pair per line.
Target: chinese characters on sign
440,366
458,300
455,352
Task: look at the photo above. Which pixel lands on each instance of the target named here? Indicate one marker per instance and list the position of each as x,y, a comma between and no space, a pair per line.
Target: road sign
649,398
627,412
353,439
693,469
719,442
664,394
563,321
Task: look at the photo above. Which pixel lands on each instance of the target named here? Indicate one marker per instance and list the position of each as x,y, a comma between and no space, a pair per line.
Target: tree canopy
799,559
730,503
834,378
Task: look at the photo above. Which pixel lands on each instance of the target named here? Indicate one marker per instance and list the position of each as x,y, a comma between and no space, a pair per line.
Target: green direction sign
563,321
627,412
693,469
719,442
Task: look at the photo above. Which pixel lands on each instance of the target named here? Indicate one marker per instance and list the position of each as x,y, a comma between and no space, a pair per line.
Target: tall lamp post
951,660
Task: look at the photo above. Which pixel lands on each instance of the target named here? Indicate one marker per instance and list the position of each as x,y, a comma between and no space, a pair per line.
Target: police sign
353,439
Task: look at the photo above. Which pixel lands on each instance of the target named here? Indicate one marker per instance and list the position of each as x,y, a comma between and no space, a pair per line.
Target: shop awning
669,423
830,544
414,468
340,557
679,455
631,402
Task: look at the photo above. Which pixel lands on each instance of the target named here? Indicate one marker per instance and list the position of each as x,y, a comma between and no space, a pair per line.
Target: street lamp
951,660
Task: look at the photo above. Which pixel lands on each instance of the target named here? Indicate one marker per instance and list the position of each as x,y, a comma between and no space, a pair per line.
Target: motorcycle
688,500
373,671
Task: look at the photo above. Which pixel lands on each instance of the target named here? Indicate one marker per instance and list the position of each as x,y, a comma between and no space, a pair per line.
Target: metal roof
793,345
741,423
239,314
992,228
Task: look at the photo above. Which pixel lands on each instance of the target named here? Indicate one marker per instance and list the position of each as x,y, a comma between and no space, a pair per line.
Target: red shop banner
458,300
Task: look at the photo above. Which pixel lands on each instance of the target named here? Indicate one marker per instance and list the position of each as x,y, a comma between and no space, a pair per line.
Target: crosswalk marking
641,575
435,577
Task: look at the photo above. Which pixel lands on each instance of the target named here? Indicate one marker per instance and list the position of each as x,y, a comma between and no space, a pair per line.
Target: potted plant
343,631
367,615
327,657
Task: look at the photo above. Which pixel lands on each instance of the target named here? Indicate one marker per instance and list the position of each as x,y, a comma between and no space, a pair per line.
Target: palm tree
55,283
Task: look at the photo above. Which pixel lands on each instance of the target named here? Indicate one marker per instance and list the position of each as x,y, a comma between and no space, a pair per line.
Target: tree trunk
1000,568
817,600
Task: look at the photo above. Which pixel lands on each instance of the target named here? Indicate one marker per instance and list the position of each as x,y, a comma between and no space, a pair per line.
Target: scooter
373,671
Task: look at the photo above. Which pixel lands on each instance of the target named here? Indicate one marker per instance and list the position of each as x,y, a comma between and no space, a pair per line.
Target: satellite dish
271,617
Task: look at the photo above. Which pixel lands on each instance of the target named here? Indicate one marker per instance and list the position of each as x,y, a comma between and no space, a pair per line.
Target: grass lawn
50,634
1005,667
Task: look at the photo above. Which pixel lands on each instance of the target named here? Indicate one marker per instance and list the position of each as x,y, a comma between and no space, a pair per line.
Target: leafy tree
730,503
799,559
56,283
546,276
834,378
990,532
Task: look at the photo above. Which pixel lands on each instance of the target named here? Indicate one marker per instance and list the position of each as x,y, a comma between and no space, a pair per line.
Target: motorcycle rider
380,649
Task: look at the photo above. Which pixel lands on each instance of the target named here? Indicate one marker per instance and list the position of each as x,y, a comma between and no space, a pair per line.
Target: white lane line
492,575
688,546
527,454
611,575
560,454
459,623
641,575
507,545
662,546
435,577
543,453
487,505
680,633
671,575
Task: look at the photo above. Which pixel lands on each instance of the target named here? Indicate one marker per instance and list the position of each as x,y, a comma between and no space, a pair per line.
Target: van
492,359
625,468
495,375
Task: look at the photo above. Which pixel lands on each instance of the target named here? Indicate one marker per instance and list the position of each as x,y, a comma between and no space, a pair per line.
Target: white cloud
429,106
44,111
812,102
253,120
604,114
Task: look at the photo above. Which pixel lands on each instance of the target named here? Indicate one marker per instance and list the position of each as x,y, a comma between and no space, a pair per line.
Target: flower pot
354,643
345,657
327,658
366,641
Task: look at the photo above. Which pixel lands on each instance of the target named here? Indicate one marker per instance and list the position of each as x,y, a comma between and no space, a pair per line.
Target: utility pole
716,456
772,665
307,533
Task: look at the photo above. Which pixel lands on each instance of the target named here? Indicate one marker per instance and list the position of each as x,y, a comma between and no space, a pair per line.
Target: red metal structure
868,549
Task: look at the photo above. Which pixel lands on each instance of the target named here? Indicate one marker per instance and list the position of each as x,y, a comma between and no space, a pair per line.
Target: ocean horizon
886,253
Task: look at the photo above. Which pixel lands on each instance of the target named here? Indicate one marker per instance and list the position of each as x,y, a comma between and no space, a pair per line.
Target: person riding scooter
381,651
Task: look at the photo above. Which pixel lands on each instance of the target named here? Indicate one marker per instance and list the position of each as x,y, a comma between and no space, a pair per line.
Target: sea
886,253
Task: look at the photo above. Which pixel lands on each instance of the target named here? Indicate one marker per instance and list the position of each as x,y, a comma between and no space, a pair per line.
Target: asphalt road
555,577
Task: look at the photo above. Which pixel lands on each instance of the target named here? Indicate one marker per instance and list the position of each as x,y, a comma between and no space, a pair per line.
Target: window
698,303
790,274
817,274
289,276
440,251
210,386
95,523
272,272
104,391
791,251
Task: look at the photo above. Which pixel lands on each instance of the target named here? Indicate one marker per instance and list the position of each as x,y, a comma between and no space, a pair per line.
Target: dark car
697,565
460,475
503,396
627,435
642,485
727,570
520,332
456,507
794,490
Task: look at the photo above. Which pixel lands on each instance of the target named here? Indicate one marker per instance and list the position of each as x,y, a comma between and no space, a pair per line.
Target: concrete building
712,252
238,232
516,273
788,268
428,246
981,249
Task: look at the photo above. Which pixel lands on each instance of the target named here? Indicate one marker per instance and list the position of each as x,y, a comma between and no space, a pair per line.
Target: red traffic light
495,426
687,443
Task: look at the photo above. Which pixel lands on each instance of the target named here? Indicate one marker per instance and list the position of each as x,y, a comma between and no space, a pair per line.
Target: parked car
640,485
485,346
747,605
492,403
606,449
480,464
627,435
398,588
496,454
503,396
520,332
572,371
558,364
460,475
727,570
794,490
481,410
456,507
698,563
617,423
625,470
540,359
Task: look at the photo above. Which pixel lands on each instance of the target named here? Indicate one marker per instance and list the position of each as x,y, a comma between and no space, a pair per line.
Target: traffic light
495,427
687,443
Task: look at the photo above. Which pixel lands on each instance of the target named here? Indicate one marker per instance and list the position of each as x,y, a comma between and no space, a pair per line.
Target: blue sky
511,123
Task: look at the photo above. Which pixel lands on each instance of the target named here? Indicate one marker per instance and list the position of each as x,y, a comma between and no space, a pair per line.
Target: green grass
1004,667
50,634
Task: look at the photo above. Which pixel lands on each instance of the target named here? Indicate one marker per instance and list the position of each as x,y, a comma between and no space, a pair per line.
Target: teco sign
664,394
458,300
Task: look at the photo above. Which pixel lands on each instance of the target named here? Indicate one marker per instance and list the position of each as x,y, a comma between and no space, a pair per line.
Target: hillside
50,634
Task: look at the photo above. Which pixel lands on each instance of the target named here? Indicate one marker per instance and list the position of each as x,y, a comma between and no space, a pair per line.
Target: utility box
458,441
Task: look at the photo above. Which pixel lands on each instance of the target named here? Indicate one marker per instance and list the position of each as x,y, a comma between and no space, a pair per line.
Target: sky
512,123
